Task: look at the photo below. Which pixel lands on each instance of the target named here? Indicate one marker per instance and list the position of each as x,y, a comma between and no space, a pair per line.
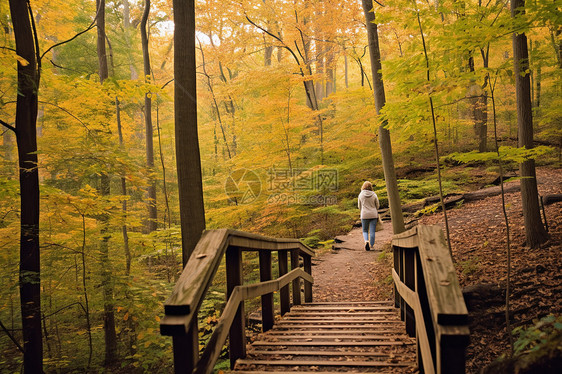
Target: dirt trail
351,273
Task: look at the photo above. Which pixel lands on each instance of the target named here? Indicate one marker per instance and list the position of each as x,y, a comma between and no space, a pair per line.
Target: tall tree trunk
8,146
26,139
345,69
330,67
151,223
124,231
384,134
110,334
319,69
192,210
535,232
268,52
128,34
538,80
311,94
478,103
320,50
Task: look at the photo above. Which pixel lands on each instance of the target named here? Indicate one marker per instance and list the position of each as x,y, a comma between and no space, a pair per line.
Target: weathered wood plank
202,266
253,242
317,338
203,263
339,303
333,344
336,317
324,363
305,308
309,352
406,239
324,313
362,332
443,289
284,372
330,325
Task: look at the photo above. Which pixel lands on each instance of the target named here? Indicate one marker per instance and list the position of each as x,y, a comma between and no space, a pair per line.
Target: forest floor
478,238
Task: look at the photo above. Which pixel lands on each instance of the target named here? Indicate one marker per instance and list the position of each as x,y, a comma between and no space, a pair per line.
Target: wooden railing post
451,355
267,316
186,350
401,273
284,293
296,282
410,281
237,330
307,285
396,257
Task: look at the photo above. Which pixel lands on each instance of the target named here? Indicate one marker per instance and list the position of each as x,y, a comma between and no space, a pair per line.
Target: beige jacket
368,203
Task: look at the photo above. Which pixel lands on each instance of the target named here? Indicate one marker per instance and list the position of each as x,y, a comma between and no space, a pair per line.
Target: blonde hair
367,186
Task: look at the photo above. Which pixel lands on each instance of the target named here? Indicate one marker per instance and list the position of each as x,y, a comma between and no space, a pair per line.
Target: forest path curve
352,273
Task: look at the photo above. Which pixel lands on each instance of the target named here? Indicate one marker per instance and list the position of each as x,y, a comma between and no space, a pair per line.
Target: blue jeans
369,227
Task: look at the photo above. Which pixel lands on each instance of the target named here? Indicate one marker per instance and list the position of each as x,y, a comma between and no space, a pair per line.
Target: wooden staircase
333,337
346,337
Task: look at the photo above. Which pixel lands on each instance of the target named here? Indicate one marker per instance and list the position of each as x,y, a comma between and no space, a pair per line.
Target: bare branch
165,84
12,338
67,112
275,37
62,67
8,48
10,127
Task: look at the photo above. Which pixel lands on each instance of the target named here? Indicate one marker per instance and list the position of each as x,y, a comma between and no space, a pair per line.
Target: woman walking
368,203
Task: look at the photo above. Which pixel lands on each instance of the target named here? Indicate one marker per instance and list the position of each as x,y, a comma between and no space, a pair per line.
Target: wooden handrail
430,298
413,300
182,306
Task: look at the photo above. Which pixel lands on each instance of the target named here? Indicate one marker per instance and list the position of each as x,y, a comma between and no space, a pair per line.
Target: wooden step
341,324
311,333
322,363
314,309
292,371
333,337
317,353
309,337
330,303
333,343
337,318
